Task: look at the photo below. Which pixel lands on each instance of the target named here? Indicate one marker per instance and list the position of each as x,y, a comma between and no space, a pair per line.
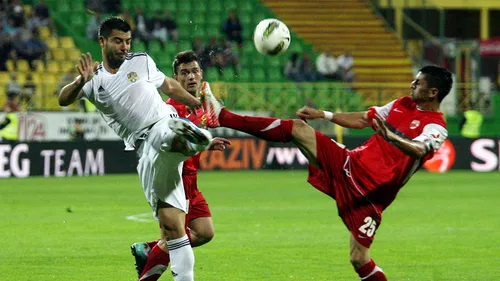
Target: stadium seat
215,7
73,55
155,47
184,7
155,6
212,75
63,6
53,67
22,66
77,6
228,74
138,46
170,48
258,75
44,32
67,42
66,65
184,45
170,6
52,42
39,66
4,78
10,66
58,54
244,75
274,75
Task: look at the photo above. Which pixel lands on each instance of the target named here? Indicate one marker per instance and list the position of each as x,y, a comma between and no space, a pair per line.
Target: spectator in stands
171,26
129,19
32,49
159,29
93,26
229,58
9,128
212,55
41,16
67,78
29,90
292,68
16,13
13,90
346,63
6,49
327,66
307,68
142,28
76,133
197,47
233,29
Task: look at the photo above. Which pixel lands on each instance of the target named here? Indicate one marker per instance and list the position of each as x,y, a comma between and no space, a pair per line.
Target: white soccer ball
271,37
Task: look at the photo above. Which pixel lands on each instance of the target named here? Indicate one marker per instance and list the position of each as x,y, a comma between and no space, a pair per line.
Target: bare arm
415,149
354,120
174,90
73,91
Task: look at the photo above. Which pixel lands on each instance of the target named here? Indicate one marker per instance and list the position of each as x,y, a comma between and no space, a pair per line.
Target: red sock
269,129
371,272
157,263
151,244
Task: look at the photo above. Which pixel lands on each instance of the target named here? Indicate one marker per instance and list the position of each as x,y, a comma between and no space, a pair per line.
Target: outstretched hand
307,112
86,68
219,144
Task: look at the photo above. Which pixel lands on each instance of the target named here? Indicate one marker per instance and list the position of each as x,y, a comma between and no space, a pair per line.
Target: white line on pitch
144,217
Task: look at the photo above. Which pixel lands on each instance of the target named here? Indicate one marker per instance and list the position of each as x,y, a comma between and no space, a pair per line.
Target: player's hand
219,144
381,128
307,112
86,68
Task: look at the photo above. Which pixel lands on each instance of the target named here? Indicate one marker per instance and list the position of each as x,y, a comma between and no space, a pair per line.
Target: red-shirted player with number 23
365,180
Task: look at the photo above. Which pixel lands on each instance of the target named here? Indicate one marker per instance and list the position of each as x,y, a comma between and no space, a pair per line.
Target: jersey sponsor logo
132,77
436,136
414,124
443,159
397,110
101,89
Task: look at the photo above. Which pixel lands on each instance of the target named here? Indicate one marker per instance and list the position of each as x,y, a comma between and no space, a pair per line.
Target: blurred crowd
217,52
20,40
327,67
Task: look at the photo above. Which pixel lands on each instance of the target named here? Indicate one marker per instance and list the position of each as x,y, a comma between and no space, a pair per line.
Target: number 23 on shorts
368,227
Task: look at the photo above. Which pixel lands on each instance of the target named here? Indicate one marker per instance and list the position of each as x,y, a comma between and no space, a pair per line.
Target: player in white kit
124,90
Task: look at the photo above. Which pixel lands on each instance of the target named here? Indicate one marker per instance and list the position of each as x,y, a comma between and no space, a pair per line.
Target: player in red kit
363,181
152,258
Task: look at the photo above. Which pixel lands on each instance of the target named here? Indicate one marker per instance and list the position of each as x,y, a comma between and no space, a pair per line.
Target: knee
208,235
358,259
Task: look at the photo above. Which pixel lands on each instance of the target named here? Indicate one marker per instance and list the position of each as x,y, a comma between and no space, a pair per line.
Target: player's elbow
63,102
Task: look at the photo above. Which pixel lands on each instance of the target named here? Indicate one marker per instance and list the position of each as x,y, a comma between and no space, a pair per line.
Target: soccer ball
271,37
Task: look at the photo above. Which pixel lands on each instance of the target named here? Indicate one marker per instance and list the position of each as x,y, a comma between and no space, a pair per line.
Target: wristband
371,114
328,115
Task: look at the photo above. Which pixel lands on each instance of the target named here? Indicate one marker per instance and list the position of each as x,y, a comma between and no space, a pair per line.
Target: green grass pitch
269,226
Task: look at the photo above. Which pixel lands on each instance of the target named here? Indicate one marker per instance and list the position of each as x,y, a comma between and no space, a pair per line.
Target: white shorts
160,170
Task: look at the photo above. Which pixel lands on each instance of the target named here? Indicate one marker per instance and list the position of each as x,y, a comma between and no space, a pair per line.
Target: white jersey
128,100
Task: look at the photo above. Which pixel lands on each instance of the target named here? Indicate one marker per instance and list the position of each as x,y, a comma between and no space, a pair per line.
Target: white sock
181,259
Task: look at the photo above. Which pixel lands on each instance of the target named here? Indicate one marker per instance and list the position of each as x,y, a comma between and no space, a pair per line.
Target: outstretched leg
269,129
363,264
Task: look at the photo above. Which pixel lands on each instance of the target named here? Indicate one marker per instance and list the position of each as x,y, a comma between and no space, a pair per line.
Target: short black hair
439,78
113,23
184,57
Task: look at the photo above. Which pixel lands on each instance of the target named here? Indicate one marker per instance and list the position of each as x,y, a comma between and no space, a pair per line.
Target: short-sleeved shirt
129,100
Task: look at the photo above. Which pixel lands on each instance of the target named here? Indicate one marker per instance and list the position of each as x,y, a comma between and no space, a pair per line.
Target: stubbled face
116,47
190,75
420,91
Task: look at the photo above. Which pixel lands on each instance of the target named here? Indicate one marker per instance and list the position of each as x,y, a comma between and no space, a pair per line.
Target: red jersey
378,168
192,164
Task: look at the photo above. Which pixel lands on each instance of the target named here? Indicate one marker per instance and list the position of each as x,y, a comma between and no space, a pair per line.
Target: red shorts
333,178
198,206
